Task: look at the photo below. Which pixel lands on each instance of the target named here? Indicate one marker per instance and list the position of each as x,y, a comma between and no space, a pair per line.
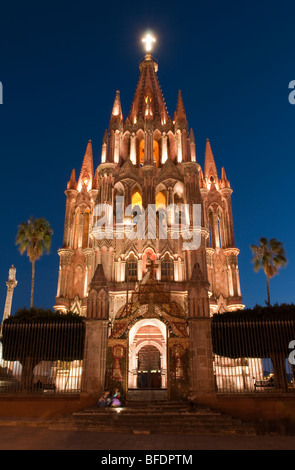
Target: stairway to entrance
147,395
156,416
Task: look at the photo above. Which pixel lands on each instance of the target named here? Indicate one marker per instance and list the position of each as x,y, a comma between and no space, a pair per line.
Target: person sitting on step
117,399
105,399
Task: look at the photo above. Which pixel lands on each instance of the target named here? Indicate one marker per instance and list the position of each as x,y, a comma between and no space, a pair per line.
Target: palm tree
34,237
269,256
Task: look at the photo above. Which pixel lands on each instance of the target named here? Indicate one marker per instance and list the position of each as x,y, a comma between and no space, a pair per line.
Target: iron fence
41,357
252,355
249,355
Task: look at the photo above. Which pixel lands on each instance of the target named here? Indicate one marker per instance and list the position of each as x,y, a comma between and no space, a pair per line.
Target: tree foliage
269,256
42,335
34,237
258,332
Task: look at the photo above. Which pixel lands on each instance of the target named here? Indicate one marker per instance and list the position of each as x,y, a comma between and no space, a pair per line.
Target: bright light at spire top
148,40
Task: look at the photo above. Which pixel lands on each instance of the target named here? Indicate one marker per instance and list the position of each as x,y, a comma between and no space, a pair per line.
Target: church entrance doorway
149,367
148,355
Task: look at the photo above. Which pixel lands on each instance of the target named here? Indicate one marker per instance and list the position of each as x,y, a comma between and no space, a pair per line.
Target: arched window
136,203
141,152
85,229
136,199
210,232
76,229
167,268
81,228
161,204
78,281
221,228
211,228
131,268
214,223
156,152
160,200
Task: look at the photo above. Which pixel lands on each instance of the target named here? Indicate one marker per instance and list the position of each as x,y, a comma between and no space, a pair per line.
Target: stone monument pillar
11,284
199,321
96,335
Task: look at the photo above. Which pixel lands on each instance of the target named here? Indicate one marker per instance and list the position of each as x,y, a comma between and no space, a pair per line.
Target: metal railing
41,357
251,355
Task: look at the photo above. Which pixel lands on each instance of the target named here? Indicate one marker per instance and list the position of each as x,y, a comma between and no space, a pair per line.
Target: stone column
164,148
139,269
133,148
11,284
202,377
95,351
201,354
96,334
117,146
148,146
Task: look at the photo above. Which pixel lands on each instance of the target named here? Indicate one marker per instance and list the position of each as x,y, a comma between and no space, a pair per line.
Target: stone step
139,404
173,421
153,418
168,418
156,429
150,410
147,395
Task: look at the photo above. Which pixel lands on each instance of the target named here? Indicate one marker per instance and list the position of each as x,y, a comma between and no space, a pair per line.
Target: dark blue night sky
61,64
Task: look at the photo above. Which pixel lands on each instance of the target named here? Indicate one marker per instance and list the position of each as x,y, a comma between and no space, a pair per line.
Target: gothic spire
105,137
197,275
117,115
180,114
86,174
148,90
192,136
117,109
202,183
72,184
192,142
99,279
224,181
210,171
95,180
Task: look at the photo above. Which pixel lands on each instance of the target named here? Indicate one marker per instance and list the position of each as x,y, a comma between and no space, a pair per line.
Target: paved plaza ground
26,438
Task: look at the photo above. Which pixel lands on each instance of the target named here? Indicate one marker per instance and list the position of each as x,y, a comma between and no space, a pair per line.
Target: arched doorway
149,367
151,317
148,355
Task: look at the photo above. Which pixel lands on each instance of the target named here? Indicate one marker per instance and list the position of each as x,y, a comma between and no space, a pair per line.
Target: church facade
147,300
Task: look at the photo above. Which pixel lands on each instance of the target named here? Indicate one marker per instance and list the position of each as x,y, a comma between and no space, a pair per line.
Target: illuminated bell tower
222,262
76,255
148,159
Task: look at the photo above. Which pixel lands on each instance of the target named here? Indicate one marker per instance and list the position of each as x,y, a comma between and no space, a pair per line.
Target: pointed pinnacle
224,179
117,109
72,183
105,137
180,113
210,169
87,165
